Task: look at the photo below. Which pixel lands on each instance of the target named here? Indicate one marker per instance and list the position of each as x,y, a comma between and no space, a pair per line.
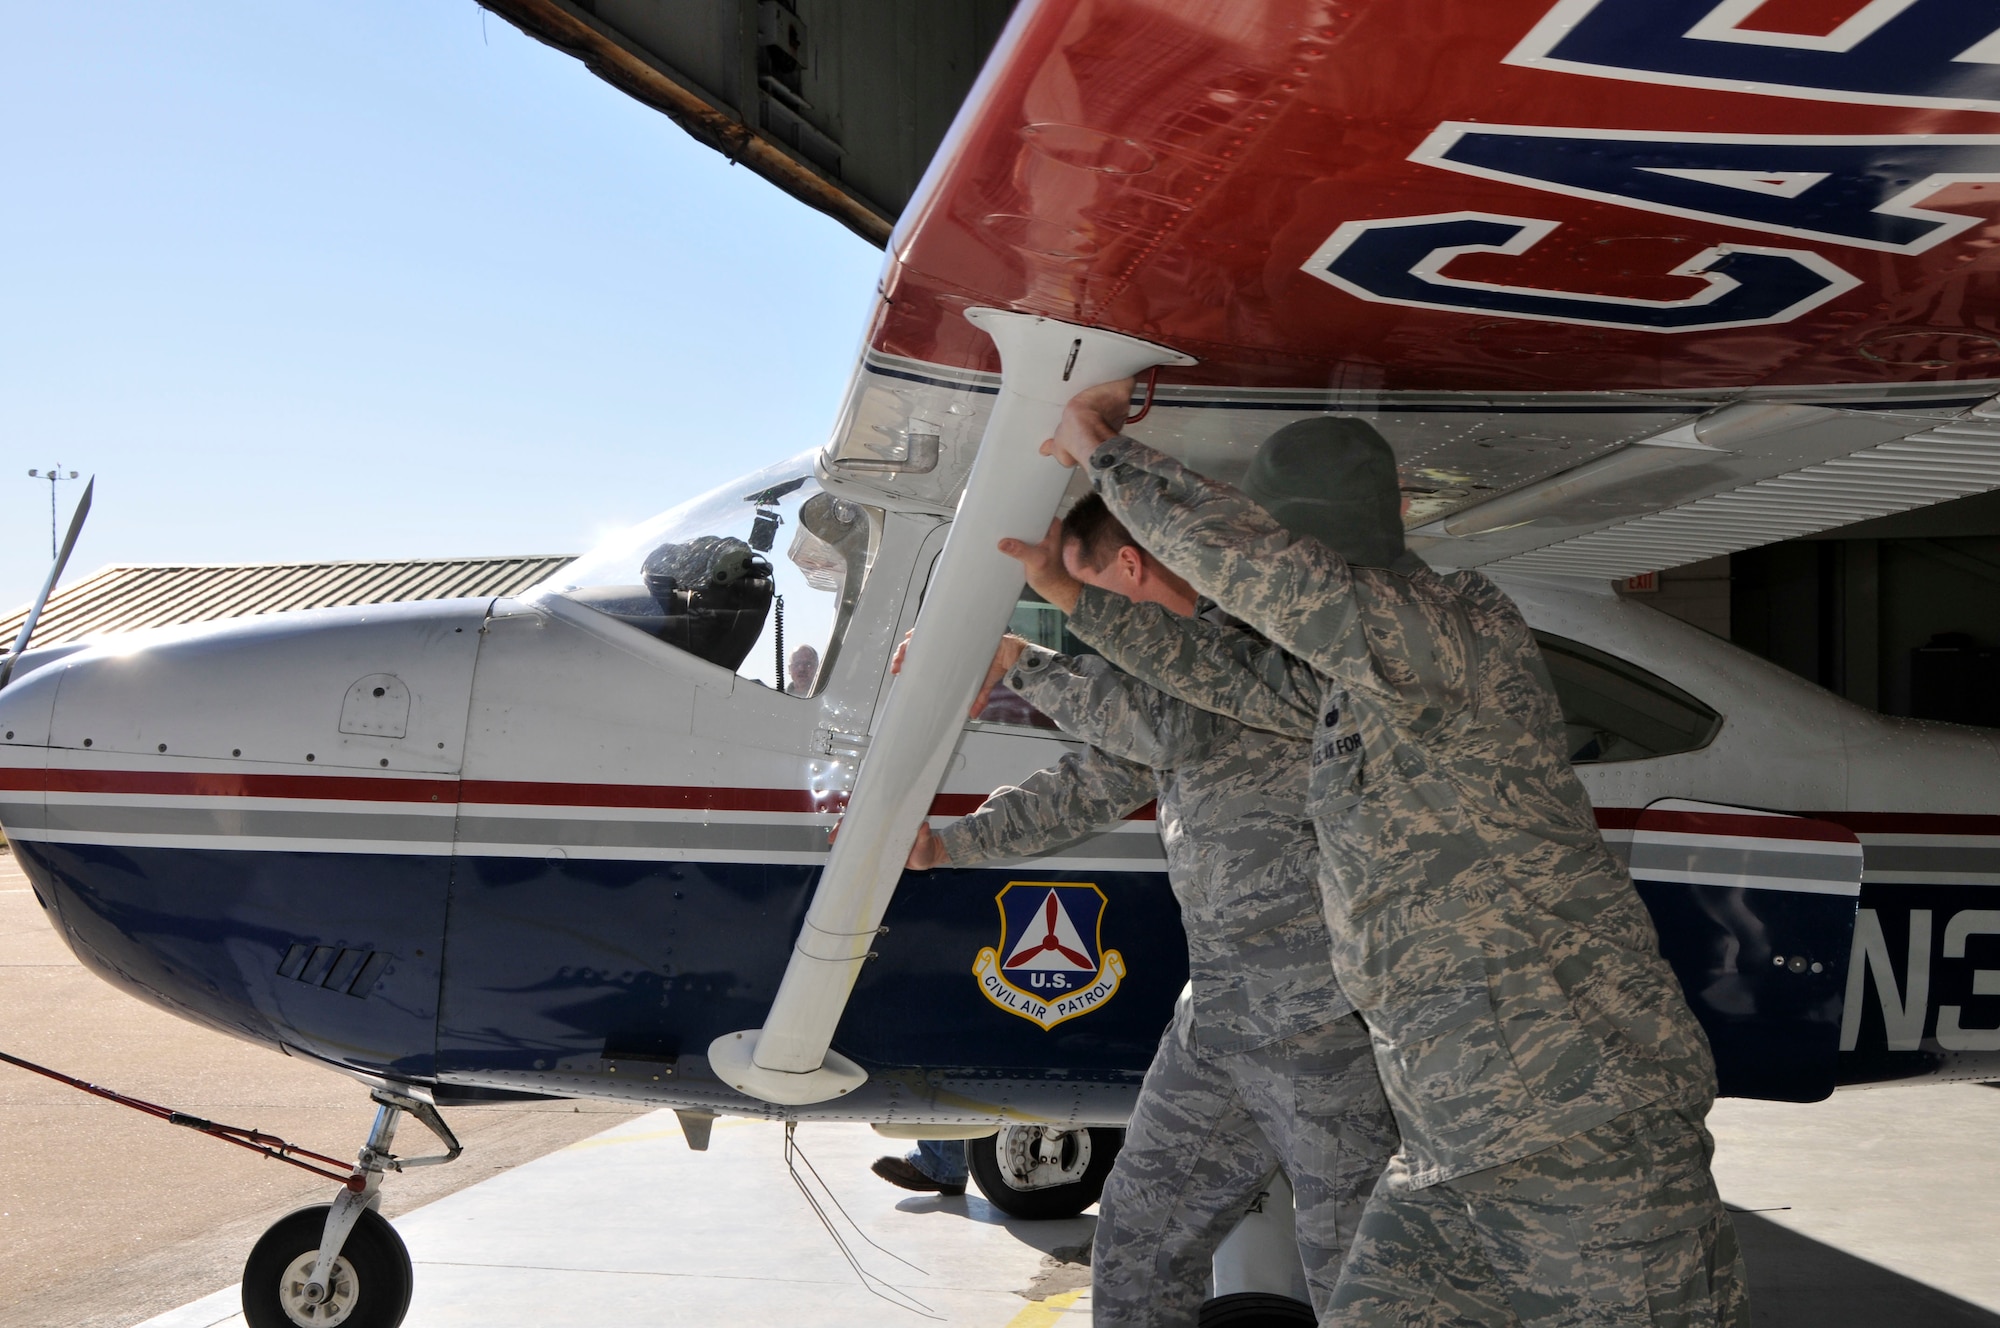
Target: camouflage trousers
1620,1225
1207,1134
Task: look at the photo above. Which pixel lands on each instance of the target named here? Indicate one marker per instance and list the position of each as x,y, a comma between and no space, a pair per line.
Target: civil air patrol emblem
1049,965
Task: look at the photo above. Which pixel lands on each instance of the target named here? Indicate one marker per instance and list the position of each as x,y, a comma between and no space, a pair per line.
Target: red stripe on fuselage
207,784
523,793
1795,828
1861,823
690,797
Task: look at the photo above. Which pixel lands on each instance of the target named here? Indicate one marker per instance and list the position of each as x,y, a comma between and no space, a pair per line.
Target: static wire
877,1286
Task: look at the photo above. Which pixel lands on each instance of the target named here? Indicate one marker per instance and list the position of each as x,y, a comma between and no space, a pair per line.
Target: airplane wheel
371,1278
1040,1173
1256,1309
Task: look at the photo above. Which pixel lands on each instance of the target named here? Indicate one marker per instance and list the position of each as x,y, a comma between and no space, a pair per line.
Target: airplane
1625,284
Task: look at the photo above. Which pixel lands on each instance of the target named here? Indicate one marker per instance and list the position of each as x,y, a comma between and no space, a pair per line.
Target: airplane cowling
229,822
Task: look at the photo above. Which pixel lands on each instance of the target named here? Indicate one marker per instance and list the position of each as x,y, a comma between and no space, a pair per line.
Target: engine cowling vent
333,968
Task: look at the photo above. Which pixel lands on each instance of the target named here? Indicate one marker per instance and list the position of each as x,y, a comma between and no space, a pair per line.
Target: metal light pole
54,475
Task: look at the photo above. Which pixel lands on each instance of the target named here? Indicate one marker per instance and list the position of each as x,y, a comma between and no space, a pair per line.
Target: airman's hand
928,851
1092,415
1004,659
1042,567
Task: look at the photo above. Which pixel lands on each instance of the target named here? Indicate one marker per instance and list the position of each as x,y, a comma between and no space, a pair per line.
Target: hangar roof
840,103
127,596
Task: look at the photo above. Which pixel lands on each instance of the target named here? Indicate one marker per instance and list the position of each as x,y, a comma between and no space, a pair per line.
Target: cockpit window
1616,711
758,576
1046,625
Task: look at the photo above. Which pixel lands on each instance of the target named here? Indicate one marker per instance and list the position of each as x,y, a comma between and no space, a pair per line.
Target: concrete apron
631,1226
1876,1209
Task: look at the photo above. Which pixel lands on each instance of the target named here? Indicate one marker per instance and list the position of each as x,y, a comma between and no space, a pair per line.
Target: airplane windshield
757,576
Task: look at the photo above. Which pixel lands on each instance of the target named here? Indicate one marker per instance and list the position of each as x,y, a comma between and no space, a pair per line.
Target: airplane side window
1616,711
1045,625
759,576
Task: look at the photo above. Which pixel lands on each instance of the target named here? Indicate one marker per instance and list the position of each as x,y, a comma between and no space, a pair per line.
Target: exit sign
1643,584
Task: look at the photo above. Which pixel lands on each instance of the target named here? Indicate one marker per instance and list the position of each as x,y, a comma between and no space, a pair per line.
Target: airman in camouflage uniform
1547,1075
1265,1065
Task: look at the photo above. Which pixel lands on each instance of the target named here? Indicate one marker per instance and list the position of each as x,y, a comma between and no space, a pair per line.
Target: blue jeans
943,1160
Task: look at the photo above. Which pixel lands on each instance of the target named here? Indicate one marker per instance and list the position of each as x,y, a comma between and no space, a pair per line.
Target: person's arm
1212,665
1093,702
1298,593
1112,711
1527,693
1082,792
1219,669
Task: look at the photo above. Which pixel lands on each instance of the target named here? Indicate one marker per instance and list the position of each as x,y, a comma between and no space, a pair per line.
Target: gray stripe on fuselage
23,815
1946,858
751,836
100,819
741,836
287,823
1649,859
1740,862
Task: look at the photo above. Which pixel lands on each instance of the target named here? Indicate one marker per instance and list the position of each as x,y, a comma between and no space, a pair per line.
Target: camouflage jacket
1241,855
1508,971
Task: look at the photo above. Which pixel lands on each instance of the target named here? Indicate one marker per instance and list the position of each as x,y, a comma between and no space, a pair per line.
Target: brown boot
898,1172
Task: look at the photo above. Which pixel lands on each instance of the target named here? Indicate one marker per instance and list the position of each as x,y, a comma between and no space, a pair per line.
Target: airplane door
1756,914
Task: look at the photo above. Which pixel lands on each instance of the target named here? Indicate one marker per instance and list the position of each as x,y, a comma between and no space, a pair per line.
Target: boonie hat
1332,479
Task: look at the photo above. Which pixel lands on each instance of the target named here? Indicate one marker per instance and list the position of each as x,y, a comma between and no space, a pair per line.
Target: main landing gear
1041,1173
342,1263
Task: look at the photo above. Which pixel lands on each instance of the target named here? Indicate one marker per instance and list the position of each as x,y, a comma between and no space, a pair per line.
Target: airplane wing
1646,280
1625,283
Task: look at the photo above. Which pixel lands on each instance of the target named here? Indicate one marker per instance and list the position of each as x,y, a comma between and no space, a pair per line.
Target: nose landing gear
368,1287
342,1264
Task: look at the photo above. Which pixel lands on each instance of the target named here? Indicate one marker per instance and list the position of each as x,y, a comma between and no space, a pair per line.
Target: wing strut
1013,490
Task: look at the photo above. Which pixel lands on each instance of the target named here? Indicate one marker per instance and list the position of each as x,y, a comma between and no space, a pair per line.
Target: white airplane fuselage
529,845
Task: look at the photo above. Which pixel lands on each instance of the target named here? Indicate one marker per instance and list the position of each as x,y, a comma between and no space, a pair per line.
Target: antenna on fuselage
48,586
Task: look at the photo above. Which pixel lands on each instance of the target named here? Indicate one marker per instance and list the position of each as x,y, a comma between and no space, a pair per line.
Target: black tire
378,1273
1256,1309
1051,1202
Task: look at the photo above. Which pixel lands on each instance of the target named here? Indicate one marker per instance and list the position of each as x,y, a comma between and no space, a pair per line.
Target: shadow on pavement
1796,1282
1048,1237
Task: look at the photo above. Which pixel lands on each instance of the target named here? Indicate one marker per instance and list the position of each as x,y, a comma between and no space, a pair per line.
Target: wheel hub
331,1309
1037,1157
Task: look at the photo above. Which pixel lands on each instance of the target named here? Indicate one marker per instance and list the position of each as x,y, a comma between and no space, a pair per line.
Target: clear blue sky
379,279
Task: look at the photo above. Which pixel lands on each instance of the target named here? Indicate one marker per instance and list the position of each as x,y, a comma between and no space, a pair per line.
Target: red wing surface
1521,236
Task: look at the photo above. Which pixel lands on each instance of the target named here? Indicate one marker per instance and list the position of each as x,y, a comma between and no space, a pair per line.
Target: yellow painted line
945,1098
1045,1313
649,1135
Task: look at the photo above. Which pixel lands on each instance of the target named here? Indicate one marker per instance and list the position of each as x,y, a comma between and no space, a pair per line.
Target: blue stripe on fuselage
559,974
555,967
205,933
